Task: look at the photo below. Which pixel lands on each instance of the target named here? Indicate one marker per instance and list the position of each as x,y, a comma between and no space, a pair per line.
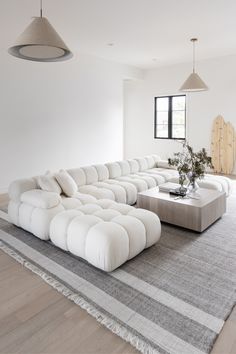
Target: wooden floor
35,318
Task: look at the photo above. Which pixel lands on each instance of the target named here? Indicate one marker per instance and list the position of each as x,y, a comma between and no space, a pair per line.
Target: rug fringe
109,323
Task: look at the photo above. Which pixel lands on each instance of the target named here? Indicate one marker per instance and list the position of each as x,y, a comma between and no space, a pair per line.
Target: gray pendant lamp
194,82
40,42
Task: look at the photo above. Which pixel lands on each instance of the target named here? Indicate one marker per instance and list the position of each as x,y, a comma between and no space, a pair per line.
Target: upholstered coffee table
194,214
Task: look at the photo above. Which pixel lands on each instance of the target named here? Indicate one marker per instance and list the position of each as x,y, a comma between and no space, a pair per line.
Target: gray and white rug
172,299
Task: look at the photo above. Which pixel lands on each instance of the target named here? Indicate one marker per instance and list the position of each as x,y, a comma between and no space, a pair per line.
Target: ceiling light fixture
194,82
40,42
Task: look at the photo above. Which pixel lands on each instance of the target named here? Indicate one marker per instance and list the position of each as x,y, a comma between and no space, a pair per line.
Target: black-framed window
170,117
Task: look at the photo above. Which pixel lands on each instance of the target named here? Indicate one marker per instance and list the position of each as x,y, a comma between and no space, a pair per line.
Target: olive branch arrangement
188,161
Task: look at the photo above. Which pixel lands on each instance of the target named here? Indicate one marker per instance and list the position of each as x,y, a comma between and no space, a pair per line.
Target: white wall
59,115
202,108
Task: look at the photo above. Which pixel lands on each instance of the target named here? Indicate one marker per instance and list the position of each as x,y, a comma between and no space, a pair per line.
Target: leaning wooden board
223,146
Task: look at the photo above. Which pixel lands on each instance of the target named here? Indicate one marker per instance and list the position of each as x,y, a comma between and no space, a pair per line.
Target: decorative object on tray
190,165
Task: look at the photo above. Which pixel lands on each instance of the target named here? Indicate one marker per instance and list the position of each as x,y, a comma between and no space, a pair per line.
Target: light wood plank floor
35,318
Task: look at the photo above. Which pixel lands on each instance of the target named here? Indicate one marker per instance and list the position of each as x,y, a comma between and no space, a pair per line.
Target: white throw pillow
68,185
48,183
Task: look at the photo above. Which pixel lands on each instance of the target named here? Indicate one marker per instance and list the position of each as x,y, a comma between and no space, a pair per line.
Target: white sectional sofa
91,216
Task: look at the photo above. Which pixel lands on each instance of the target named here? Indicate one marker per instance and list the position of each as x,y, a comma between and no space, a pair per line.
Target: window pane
178,131
162,117
162,131
178,117
178,103
162,104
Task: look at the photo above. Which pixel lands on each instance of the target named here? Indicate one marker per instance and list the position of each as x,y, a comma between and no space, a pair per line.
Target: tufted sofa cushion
78,175
114,169
134,166
91,174
118,191
139,183
103,172
151,161
143,164
98,193
125,167
130,190
106,234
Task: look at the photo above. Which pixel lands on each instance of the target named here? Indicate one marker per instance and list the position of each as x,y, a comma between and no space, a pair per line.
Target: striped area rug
171,299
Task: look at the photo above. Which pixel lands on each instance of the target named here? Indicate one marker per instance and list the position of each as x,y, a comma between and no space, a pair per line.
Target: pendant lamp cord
41,8
194,56
194,40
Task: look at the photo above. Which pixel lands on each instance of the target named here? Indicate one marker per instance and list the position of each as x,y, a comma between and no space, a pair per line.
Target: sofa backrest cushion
156,158
143,165
78,175
125,167
134,166
150,161
20,186
114,169
91,174
102,171
66,182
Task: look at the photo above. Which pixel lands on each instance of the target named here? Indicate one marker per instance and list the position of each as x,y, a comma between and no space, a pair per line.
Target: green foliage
190,161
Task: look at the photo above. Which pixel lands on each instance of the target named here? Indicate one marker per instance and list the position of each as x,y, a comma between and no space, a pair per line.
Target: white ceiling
141,30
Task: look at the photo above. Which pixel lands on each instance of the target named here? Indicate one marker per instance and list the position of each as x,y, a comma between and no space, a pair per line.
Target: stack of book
172,188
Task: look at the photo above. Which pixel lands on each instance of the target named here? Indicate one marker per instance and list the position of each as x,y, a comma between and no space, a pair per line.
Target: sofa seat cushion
98,193
129,188
139,183
158,179
41,199
118,191
84,198
105,237
167,174
70,203
151,182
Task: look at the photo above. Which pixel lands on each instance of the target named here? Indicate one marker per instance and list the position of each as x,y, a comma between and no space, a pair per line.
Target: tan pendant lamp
194,83
40,42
